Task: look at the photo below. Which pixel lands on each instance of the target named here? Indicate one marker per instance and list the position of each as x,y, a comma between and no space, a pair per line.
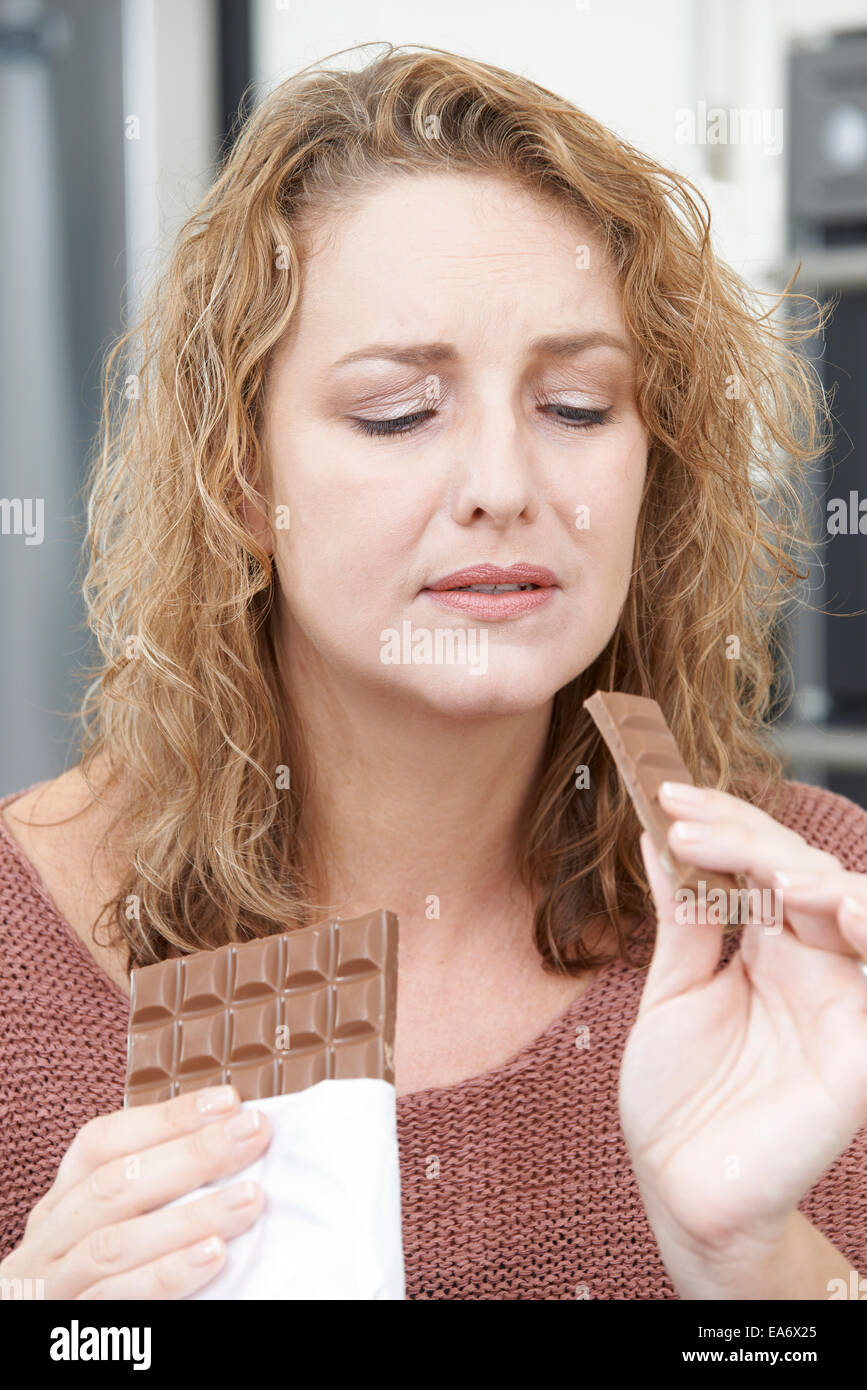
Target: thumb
687,950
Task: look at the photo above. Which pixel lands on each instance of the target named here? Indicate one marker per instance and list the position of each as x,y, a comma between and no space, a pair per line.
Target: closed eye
578,415
572,416
402,424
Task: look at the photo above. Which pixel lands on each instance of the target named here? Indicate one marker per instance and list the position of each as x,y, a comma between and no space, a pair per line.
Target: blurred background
113,114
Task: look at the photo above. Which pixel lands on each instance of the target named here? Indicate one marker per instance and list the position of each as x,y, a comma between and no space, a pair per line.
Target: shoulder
825,819
37,819
51,837
63,810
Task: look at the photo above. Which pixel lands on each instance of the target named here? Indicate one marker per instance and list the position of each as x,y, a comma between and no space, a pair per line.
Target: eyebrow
428,354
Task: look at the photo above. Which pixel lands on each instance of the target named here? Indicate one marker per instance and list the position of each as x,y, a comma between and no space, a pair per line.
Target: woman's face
463,308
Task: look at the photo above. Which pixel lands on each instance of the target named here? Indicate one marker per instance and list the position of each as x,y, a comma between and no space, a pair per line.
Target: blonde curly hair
185,705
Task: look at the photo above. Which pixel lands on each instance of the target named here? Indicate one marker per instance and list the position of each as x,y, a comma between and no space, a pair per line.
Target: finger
130,1245
140,1127
734,847
816,926
811,903
819,888
852,917
138,1183
685,955
174,1276
686,802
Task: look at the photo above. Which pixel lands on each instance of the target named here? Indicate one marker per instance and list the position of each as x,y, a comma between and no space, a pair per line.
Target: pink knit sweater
516,1183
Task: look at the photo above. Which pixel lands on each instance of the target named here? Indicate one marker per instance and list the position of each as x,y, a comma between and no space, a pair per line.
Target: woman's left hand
740,1087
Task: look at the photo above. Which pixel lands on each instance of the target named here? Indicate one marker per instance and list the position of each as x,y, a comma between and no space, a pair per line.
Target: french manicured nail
690,834
206,1251
683,791
241,1194
215,1100
856,910
243,1126
793,878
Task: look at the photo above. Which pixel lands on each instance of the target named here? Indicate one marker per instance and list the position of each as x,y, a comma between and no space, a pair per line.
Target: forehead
434,256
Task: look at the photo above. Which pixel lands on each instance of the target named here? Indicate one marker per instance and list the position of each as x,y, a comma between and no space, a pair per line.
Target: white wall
170,125
631,64
628,64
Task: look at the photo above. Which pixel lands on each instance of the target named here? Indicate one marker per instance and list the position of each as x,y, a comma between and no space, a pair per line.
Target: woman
440,354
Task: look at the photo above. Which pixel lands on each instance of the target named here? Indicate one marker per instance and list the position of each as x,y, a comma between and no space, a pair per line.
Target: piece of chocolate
646,755
269,1016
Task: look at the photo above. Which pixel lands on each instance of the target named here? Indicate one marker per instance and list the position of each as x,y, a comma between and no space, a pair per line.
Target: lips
539,575
454,590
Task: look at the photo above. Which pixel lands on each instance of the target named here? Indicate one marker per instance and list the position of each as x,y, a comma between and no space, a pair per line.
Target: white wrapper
331,1228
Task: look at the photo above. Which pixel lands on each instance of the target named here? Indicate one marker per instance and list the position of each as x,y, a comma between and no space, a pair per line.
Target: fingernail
688,833
793,878
683,791
243,1126
215,1099
206,1251
242,1194
855,909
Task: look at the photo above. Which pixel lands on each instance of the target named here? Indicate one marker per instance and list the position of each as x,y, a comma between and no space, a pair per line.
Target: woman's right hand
99,1231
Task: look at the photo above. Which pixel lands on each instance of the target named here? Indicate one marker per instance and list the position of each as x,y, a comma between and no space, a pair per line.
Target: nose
494,479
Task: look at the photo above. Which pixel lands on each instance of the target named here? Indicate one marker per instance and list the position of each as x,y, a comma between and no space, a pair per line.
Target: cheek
355,523
601,499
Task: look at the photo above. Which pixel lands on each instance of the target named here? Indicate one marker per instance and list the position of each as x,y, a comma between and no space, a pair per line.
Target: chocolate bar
269,1016
646,755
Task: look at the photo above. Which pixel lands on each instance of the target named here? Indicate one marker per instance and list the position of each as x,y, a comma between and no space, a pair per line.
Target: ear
256,523
253,517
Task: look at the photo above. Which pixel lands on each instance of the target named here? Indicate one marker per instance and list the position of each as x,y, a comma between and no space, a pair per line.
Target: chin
506,688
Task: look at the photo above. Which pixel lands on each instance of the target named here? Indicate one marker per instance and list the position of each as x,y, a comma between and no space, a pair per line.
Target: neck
418,812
